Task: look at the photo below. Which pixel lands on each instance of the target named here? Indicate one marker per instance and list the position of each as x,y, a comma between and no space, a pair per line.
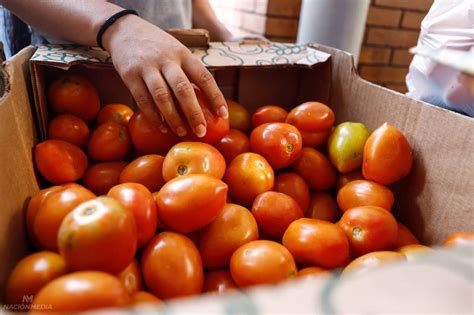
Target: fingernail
181,132
200,131
223,112
163,129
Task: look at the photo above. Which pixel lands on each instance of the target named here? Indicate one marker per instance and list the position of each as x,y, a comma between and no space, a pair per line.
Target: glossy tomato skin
311,117
81,291
261,262
233,144
274,212
180,256
146,170
459,239
193,158
188,203
141,297
147,137
317,243
139,200
293,185
322,206
372,260
59,161
404,236
219,281
364,193
101,177
248,175
99,234
119,113
268,114
31,274
131,277
387,155
279,143
315,139
315,169
232,228
311,272
343,179
109,142
369,229
69,128
414,251
239,116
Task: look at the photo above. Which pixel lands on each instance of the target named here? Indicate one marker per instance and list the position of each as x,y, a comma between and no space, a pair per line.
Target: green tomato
346,145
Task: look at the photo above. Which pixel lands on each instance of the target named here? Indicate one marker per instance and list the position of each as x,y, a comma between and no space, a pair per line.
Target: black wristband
111,20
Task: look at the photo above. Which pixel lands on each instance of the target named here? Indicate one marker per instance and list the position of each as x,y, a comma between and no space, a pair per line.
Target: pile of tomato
134,214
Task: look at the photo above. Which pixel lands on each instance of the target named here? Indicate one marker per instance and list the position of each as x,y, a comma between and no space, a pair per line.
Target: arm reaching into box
152,63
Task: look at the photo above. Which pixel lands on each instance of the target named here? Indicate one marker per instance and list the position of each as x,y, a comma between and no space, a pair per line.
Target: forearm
204,17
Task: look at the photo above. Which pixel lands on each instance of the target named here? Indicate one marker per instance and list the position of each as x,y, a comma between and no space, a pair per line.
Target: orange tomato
311,117
364,193
239,116
322,206
343,179
141,297
293,185
414,251
369,229
261,262
312,162
311,272
317,243
59,161
233,144
172,266
99,234
405,236
110,141
315,139
81,291
218,281
146,170
459,239
372,260
268,114
218,240
74,94
387,155
119,113
69,128
101,177
131,277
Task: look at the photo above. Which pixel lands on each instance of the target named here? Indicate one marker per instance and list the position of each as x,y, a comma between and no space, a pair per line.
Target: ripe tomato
146,170
459,239
99,234
322,206
311,272
404,236
219,281
274,211
315,139
189,202
414,251
131,277
311,117
387,155
248,175
119,113
74,94
141,297
293,185
81,291
239,116
369,229
372,260
343,179
109,142
172,266
317,243
31,274
279,143
364,193
261,262
268,114
232,228
52,211
60,162
233,144
101,177
312,162
147,138
69,128
139,200
193,158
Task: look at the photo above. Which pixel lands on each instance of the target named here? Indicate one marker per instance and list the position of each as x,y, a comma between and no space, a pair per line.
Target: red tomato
141,297
312,162
311,272
110,141
293,185
31,274
279,143
219,281
248,175
147,138
315,139
99,234
81,291
119,113
146,170
457,239
139,200
317,243
404,237
52,211
101,177
414,251
322,206
69,128
274,211
268,114
364,193
387,155
369,229
60,162
239,116
172,266
311,117
131,277
343,179
261,262
189,202
218,240
233,144
372,260
193,158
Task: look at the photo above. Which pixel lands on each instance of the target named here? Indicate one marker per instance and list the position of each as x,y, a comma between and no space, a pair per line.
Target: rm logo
27,299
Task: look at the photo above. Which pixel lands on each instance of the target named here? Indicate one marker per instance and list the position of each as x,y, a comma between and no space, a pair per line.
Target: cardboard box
436,199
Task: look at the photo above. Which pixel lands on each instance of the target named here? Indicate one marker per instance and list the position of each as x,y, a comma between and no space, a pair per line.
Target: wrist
115,33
